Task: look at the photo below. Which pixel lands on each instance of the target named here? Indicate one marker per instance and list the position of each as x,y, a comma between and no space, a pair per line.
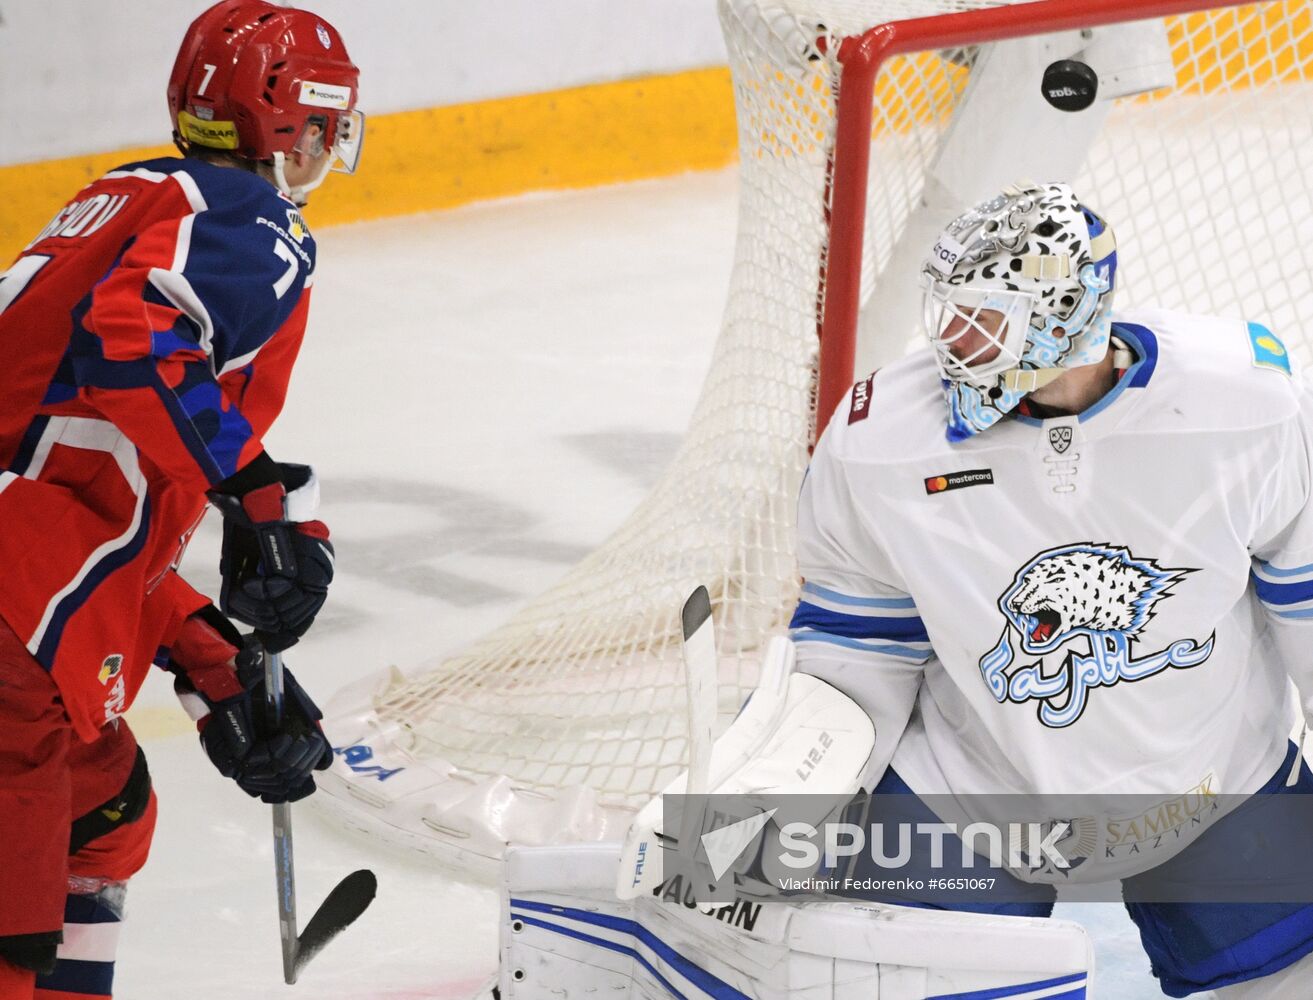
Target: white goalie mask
1017,290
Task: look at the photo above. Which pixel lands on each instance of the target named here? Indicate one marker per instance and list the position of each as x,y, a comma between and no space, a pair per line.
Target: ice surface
485,393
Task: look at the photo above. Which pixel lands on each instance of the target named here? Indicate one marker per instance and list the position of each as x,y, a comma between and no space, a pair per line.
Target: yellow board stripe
419,161
654,126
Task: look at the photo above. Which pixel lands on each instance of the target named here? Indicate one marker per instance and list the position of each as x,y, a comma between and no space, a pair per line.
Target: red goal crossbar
861,57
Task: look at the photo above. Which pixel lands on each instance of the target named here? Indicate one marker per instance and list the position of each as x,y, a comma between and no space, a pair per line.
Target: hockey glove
219,679
276,562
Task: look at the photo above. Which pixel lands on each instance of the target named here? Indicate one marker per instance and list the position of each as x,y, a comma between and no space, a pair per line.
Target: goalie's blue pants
1193,946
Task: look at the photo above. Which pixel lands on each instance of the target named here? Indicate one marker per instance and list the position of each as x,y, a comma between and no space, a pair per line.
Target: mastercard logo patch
959,480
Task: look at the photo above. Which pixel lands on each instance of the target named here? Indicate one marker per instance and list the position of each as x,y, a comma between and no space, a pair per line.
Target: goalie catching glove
277,562
220,680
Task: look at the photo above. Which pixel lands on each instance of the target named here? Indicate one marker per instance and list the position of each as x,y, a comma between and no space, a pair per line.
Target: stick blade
349,898
697,609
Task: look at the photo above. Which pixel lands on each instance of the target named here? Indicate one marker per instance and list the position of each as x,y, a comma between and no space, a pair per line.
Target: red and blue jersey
147,336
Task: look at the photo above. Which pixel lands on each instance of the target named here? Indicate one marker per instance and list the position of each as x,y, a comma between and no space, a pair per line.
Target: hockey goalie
1060,551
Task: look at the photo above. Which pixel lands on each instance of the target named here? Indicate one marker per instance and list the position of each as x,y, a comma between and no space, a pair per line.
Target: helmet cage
951,313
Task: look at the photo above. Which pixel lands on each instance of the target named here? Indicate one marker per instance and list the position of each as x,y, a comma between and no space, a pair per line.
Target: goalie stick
349,898
702,673
640,858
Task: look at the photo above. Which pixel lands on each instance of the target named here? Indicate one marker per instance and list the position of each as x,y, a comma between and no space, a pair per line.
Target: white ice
485,394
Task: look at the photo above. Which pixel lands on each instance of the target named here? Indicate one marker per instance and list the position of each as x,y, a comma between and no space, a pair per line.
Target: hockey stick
702,673
642,867
349,897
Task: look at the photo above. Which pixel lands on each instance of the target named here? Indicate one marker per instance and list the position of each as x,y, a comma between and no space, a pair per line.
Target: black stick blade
349,898
697,609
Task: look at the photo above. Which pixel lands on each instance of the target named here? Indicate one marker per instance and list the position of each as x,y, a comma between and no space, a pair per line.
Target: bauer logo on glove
277,561
220,680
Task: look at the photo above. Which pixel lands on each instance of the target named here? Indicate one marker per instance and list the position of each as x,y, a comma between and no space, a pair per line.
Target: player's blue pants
1192,946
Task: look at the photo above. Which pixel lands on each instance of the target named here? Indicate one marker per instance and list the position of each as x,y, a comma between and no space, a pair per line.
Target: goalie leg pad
563,932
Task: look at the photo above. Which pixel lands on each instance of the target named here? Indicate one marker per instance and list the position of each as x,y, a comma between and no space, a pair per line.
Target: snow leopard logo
1091,588
1089,596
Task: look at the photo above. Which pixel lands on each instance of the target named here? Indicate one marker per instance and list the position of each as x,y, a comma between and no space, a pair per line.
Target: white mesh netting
571,714
1211,183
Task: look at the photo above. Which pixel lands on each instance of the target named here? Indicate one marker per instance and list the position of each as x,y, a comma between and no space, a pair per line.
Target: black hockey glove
276,563
219,678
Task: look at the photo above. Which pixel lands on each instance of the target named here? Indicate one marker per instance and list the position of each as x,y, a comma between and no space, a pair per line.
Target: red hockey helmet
251,77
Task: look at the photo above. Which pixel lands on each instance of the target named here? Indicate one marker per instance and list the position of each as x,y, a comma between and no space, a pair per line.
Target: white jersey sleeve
855,627
1282,549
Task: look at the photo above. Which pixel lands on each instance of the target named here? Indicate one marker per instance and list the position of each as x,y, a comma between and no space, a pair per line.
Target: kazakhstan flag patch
1267,349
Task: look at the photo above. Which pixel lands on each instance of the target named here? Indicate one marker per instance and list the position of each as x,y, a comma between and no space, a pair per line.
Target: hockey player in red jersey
147,336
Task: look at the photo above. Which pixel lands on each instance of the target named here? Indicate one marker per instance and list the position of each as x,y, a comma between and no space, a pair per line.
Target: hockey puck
1069,85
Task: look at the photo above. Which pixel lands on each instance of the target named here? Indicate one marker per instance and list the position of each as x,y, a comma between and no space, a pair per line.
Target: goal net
864,125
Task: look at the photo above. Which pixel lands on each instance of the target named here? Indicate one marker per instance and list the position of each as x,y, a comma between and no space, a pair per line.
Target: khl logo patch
1088,603
1060,438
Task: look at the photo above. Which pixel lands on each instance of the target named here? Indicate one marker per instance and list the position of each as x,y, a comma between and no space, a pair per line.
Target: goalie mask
1017,290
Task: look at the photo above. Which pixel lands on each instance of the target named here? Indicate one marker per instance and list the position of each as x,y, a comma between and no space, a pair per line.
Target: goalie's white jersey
1106,603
